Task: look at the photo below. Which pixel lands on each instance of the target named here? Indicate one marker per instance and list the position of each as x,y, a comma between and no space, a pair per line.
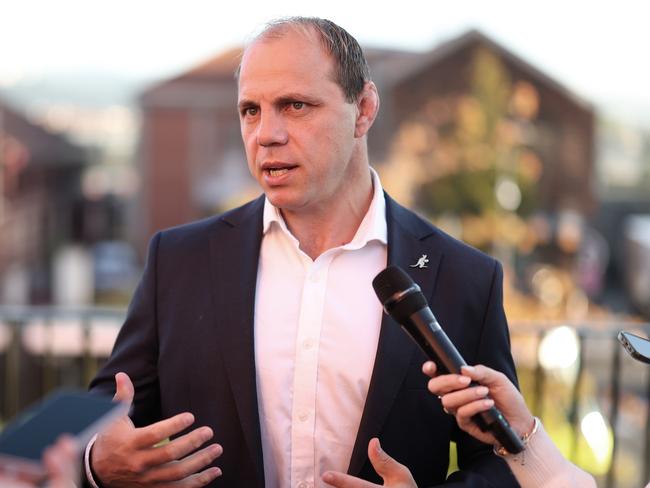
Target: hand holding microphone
465,402
404,302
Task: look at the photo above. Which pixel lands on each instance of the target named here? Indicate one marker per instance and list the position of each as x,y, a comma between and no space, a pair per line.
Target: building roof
474,37
44,148
221,66
389,67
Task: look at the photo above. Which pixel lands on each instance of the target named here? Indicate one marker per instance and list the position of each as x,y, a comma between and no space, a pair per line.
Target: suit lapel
234,256
406,244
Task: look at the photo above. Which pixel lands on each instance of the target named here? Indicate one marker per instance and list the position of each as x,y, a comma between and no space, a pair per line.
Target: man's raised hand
124,455
394,474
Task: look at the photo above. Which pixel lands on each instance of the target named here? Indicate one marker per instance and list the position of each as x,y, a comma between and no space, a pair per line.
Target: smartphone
76,413
638,347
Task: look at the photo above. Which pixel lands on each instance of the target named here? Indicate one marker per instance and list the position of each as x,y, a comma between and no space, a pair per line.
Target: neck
333,224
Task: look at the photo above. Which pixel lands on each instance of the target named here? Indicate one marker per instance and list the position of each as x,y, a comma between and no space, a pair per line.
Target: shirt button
302,484
308,344
302,416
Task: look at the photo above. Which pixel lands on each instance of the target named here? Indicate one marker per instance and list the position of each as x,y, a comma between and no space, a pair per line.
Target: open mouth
277,171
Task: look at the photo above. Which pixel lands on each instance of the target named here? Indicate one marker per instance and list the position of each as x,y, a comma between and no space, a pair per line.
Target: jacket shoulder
421,228
200,230
461,252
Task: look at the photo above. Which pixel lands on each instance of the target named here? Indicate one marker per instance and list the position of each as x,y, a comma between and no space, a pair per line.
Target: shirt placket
303,415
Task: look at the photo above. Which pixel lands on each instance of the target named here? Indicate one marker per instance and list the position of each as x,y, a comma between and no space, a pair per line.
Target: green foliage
481,144
453,459
462,192
556,417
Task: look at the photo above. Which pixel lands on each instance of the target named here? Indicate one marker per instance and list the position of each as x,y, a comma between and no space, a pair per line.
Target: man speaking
260,329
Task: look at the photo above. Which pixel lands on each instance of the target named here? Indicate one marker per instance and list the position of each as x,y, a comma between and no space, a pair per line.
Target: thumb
124,390
390,470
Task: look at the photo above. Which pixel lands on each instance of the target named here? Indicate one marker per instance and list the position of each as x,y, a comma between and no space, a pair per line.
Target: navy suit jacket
187,344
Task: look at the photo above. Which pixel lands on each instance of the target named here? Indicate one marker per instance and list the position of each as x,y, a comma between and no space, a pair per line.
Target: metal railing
42,348
615,375
34,360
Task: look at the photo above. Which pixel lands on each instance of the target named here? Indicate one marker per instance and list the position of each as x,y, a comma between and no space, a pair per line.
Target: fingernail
468,368
187,419
328,477
206,433
464,380
379,449
481,391
216,450
488,403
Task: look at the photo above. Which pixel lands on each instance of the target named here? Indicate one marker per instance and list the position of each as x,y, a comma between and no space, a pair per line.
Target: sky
597,49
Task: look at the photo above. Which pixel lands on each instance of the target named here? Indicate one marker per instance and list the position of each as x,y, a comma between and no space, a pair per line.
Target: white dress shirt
316,331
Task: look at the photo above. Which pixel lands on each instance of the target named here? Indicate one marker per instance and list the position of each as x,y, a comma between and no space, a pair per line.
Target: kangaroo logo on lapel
422,262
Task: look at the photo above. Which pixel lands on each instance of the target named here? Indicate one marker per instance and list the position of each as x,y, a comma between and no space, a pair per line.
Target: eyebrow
293,97
284,99
245,104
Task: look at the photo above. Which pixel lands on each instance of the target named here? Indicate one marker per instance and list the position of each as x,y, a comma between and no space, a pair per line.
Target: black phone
76,413
638,347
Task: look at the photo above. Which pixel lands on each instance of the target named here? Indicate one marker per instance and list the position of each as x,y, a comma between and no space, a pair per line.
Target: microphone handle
437,346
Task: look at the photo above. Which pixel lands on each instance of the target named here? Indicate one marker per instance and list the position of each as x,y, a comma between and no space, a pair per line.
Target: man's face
297,127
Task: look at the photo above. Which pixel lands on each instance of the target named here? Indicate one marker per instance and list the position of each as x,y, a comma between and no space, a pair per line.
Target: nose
271,130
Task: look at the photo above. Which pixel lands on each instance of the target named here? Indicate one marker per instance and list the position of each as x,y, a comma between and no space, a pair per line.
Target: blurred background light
598,435
508,194
559,349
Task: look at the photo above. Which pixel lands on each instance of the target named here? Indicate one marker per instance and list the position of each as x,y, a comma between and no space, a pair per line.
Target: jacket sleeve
136,348
479,466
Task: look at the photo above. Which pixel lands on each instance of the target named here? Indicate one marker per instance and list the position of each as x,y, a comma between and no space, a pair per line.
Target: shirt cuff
89,472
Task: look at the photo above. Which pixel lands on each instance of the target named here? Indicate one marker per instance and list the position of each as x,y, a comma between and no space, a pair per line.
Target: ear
367,109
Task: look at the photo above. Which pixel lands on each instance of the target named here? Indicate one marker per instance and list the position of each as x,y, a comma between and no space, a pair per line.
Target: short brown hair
351,68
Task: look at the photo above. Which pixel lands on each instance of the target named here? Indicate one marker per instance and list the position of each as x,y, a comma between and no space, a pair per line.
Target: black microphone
403,300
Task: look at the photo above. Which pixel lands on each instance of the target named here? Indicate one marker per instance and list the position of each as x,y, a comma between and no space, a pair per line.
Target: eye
250,111
297,105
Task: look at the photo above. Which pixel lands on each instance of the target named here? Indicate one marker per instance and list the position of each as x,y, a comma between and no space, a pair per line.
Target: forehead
296,60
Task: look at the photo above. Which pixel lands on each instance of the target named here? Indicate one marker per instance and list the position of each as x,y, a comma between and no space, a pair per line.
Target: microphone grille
390,281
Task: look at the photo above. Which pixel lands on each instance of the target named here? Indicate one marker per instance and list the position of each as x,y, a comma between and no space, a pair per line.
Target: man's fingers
341,480
124,390
384,464
187,467
126,456
154,433
196,480
392,472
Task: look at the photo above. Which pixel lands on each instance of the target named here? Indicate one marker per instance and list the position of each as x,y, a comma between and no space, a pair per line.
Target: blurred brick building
192,160
40,202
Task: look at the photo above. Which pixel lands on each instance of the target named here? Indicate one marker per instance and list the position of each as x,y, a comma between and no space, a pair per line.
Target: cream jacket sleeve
542,465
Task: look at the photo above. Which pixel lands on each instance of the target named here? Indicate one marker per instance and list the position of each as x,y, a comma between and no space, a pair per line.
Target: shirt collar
372,227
